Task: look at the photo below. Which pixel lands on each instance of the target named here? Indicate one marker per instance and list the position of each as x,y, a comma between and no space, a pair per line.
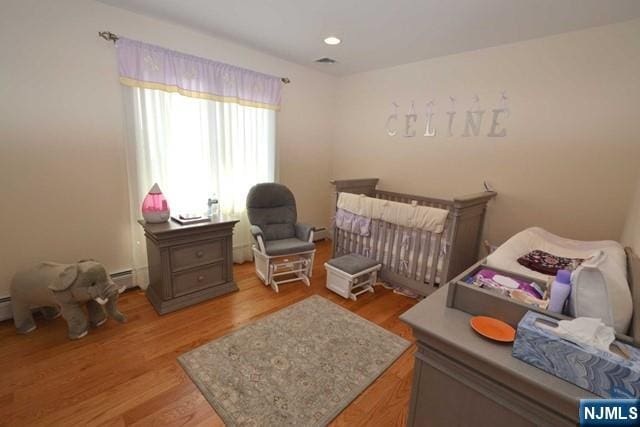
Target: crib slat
374,239
347,242
352,242
405,252
364,242
393,246
398,248
436,259
379,234
425,259
390,242
383,246
370,240
355,243
414,251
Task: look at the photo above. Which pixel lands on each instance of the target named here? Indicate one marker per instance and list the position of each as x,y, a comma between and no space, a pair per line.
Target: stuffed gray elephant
63,289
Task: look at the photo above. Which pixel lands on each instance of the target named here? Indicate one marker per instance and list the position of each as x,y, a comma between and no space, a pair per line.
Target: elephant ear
65,278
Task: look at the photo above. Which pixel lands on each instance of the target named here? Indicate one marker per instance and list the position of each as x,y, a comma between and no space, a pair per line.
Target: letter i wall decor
471,122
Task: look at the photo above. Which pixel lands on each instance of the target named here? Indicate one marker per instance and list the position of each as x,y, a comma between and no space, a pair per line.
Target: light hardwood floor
128,374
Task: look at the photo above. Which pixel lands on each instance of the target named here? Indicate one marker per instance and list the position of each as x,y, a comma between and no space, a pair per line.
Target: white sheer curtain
195,148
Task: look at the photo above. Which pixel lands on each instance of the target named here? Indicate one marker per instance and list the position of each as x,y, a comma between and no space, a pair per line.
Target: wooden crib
414,258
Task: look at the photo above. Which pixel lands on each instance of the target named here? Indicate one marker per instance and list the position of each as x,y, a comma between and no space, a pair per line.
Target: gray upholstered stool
351,275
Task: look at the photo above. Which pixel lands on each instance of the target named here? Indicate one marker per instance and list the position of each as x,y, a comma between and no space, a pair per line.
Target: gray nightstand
189,263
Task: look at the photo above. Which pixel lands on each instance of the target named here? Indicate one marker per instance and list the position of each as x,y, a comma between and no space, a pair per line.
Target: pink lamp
155,208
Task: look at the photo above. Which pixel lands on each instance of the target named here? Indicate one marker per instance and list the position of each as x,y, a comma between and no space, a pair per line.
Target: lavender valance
153,67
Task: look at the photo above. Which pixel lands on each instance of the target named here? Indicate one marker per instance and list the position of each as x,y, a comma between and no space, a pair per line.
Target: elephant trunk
111,306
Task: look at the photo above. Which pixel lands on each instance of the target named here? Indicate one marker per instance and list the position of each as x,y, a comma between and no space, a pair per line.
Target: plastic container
560,290
214,207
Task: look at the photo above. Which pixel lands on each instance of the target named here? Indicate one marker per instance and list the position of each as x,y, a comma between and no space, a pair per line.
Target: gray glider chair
283,249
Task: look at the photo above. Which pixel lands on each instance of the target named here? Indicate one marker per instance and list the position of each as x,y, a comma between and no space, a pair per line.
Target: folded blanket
404,214
546,263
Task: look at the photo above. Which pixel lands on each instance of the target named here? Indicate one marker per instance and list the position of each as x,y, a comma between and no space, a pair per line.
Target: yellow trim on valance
193,94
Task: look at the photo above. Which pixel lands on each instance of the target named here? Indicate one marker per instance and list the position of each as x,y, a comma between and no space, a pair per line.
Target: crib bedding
614,267
398,255
404,214
421,241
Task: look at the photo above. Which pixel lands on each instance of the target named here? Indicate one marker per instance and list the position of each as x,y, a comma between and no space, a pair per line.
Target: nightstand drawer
201,278
187,256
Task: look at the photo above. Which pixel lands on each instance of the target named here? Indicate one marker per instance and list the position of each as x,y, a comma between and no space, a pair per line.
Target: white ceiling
381,33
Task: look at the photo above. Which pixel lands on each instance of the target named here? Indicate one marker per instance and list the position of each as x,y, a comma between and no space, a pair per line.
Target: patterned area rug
300,366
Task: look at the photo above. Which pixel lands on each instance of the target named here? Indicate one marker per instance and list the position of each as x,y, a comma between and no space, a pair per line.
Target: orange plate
493,329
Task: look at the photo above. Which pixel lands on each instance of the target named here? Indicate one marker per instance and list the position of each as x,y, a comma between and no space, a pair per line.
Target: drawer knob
199,254
200,278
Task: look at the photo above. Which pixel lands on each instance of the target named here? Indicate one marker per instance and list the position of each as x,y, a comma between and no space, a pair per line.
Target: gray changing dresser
463,379
189,263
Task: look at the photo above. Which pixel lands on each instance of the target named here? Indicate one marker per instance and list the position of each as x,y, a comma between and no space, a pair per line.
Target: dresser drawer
187,256
201,278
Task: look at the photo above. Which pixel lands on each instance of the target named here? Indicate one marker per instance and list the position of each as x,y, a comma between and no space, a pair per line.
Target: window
195,148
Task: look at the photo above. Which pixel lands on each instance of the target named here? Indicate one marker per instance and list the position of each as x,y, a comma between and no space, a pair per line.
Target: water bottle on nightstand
214,207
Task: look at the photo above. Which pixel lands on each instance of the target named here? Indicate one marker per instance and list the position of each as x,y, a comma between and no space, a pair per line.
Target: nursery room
295,213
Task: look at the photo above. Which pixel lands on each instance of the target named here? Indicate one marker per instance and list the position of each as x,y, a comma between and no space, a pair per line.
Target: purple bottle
560,290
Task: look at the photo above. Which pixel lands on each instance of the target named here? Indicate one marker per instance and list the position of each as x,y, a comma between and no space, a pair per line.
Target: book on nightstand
188,219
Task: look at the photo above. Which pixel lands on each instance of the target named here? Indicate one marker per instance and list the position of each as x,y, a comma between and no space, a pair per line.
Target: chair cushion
279,231
352,264
287,246
272,207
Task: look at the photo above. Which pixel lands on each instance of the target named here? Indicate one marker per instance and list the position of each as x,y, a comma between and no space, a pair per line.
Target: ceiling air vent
325,61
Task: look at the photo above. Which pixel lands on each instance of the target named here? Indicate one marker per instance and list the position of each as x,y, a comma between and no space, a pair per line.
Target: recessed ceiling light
332,41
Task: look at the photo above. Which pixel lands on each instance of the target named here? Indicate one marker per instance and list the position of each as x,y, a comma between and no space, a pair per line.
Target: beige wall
631,234
570,160
569,163
62,167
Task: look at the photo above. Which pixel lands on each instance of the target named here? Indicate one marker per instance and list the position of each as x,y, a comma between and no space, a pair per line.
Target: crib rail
414,258
408,198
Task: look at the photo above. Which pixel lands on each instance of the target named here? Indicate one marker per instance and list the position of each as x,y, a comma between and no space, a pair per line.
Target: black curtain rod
110,37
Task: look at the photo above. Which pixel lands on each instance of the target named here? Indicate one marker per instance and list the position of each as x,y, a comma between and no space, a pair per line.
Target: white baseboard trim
123,278
5,309
320,234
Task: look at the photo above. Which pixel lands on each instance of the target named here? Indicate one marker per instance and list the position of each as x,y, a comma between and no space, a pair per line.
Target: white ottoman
351,275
